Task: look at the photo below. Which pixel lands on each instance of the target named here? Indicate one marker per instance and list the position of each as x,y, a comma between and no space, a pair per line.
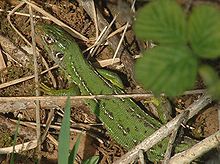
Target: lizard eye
59,55
48,39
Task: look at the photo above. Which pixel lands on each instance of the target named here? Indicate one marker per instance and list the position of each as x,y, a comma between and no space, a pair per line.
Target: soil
96,141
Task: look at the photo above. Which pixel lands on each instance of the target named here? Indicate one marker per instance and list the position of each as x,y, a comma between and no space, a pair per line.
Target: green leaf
204,31
91,160
208,75
170,70
162,21
74,151
211,79
64,136
12,160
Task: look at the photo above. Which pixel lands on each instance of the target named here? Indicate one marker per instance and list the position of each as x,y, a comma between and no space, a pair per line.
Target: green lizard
125,121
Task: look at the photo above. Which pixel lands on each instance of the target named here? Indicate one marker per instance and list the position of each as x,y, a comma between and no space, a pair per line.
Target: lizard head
55,41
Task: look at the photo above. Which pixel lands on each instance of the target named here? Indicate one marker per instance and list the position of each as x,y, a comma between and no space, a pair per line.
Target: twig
24,14
173,137
2,61
63,98
218,115
197,150
20,147
164,131
13,82
36,79
75,128
95,17
23,37
104,36
120,42
57,21
13,52
48,123
141,156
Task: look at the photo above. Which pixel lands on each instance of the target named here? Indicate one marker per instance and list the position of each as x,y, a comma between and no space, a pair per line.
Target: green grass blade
74,151
14,142
91,160
64,136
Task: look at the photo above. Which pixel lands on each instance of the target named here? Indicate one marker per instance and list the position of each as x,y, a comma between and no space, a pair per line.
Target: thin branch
20,147
173,137
16,81
197,150
57,21
27,15
36,79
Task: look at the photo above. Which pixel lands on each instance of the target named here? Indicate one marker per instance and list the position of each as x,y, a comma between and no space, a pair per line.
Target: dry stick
13,52
106,62
9,20
123,34
48,123
119,30
197,150
20,34
104,36
11,104
164,131
141,156
13,82
20,147
91,48
2,61
95,18
218,115
173,137
75,128
120,42
36,79
63,98
57,21
24,14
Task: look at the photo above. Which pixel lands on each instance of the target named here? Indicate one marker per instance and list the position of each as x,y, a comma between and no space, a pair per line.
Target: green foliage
171,67
64,157
211,79
162,21
12,160
64,136
164,64
74,151
91,160
204,31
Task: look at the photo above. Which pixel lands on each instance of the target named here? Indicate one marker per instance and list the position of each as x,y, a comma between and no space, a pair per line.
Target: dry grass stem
57,21
36,79
20,147
26,15
104,36
16,81
120,42
2,61
106,62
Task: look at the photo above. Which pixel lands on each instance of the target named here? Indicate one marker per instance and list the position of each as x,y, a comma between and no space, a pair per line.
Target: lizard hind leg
112,77
72,90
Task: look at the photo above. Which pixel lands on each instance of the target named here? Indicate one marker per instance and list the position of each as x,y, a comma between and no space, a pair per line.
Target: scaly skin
125,121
